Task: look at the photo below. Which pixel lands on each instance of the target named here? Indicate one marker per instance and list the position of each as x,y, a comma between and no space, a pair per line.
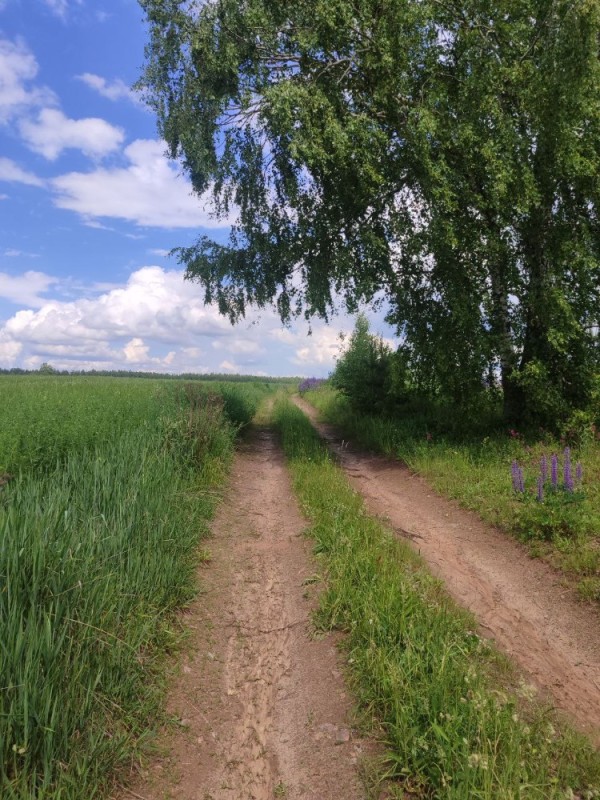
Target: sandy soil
261,702
518,601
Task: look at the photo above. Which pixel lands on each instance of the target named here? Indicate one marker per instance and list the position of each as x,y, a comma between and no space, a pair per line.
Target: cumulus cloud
157,321
13,173
112,90
10,350
320,348
148,191
52,132
18,68
25,290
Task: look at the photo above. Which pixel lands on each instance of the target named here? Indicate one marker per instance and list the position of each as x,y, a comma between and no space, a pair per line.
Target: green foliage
472,465
363,372
443,154
47,369
454,730
100,539
45,418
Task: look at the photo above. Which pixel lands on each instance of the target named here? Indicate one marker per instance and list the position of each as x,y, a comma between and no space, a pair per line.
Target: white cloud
112,90
9,351
157,321
52,132
245,347
229,366
14,253
136,352
158,251
9,171
25,290
18,67
60,8
149,191
320,348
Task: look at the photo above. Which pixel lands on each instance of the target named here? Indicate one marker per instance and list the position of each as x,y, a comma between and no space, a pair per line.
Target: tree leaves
446,154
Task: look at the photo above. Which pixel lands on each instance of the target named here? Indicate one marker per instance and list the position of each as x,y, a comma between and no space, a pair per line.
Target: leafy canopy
443,153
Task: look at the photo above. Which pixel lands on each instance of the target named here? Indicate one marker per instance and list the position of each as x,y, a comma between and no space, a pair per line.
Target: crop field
107,487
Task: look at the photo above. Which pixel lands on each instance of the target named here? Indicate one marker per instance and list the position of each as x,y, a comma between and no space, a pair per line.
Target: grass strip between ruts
454,727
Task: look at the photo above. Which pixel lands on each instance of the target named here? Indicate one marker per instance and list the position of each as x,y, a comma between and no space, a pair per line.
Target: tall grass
96,555
453,728
475,470
46,418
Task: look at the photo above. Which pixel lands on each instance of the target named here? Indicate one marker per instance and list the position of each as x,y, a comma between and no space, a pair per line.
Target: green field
109,487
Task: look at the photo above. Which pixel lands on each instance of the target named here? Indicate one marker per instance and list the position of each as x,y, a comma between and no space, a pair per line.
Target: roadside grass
457,727
98,553
476,471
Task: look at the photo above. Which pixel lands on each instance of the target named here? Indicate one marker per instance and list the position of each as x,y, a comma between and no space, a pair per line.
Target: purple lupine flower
579,473
514,471
310,383
540,489
567,474
544,468
554,470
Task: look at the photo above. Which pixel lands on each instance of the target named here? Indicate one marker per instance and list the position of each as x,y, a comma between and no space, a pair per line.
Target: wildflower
554,470
310,383
567,475
515,476
518,482
540,489
478,760
579,473
544,468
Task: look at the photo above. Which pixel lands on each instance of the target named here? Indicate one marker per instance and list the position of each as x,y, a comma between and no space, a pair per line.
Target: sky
90,208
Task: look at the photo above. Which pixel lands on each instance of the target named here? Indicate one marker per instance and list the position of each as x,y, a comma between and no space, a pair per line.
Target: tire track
261,702
518,601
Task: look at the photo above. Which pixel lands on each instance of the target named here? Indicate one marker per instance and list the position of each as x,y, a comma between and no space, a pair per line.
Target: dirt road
518,601
262,706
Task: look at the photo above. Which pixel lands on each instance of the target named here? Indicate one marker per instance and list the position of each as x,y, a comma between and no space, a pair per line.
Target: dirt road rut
518,601
262,706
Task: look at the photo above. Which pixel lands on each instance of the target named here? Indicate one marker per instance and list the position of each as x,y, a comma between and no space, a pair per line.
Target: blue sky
90,207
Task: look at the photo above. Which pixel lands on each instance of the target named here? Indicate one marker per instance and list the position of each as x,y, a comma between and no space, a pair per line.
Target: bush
364,371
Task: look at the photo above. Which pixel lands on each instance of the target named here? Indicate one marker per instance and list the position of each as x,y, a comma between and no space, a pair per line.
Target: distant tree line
48,369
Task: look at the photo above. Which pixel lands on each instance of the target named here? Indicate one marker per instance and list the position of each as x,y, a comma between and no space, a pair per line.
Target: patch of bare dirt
261,702
519,602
